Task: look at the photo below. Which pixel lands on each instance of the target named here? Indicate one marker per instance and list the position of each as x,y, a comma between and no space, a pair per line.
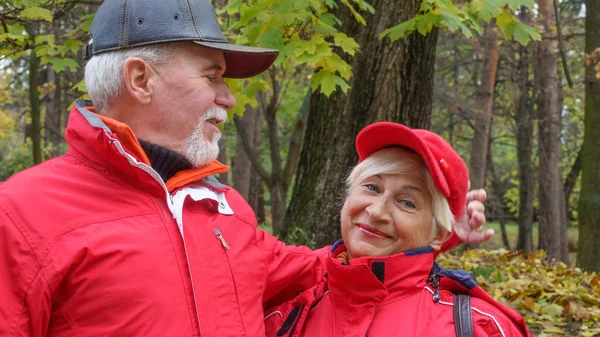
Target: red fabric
89,247
447,169
355,303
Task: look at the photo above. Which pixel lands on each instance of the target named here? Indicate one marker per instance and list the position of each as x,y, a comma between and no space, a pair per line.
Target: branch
296,141
560,45
253,156
271,117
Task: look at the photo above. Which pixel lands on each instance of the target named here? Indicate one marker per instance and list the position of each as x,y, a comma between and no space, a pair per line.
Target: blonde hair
398,160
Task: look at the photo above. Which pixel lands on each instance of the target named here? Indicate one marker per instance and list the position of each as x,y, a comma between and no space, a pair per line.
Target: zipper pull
220,236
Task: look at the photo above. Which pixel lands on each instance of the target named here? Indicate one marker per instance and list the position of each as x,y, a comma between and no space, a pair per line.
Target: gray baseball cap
121,24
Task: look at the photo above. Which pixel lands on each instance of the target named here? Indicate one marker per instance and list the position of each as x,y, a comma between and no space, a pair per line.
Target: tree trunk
391,81
484,109
52,134
571,180
223,177
256,184
52,121
524,125
34,104
588,253
278,205
242,168
552,220
499,209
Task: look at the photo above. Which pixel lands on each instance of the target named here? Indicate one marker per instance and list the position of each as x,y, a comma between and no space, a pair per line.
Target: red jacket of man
94,243
390,296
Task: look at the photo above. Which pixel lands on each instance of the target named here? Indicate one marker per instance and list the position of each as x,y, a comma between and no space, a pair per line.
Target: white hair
198,150
392,161
104,72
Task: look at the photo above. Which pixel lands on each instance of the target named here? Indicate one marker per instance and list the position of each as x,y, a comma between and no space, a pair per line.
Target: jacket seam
77,225
193,318
19,314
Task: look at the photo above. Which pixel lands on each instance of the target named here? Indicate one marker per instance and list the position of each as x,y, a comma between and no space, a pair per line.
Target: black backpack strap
463,323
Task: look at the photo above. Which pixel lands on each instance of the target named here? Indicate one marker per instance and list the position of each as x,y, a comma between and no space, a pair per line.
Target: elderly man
129,233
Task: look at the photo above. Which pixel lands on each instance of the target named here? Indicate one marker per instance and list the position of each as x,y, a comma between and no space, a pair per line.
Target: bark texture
484,108
588,254
524,130
552,217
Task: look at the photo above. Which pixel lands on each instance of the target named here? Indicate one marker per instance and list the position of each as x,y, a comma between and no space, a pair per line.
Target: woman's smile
371,232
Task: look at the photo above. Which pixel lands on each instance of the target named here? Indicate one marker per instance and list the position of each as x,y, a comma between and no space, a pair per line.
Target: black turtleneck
165,161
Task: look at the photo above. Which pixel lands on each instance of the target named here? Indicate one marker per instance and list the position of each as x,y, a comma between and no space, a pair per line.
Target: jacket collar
378,279
112,146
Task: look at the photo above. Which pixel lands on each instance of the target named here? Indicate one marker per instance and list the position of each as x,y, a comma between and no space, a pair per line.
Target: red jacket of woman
390,296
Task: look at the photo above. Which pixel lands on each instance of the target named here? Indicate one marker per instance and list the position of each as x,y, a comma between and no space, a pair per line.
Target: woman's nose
379,211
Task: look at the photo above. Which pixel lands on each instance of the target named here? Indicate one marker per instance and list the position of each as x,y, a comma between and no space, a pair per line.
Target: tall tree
484,106
34,102
391,81
524,131
588,254
552,218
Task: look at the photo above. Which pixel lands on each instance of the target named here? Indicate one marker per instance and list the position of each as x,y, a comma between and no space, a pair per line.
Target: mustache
217,113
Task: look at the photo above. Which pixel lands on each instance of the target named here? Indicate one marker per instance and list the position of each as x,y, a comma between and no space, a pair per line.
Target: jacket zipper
226,247
220,236
134,162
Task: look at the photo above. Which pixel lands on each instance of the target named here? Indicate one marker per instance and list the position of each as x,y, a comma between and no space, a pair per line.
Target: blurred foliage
554,299
466,17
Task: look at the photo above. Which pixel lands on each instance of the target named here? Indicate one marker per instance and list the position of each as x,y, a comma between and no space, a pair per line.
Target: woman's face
387,214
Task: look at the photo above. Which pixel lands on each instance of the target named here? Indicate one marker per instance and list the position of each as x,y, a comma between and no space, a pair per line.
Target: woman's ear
138,75
440,237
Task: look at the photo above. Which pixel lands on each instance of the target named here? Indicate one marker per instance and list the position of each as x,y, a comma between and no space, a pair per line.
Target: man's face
191,98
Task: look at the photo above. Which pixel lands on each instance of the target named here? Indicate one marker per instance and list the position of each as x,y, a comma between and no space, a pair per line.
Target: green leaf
357,16
399,31
86,22
251,13
514,4
504,19
486,9
80,86
60,64
49,39
333,63
73,45
524,33
328,82
348,44
36,13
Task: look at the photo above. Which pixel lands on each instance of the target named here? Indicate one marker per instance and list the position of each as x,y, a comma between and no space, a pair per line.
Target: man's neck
164,161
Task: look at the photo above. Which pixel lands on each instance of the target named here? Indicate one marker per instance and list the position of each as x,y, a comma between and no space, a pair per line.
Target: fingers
478,194
479,237
476,220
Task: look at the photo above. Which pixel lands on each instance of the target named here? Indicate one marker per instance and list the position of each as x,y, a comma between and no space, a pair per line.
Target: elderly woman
403,199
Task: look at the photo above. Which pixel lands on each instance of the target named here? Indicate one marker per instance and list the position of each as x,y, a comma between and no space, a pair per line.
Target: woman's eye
407,203
372,187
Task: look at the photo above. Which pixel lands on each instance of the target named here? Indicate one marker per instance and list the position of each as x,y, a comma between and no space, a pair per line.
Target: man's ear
138,77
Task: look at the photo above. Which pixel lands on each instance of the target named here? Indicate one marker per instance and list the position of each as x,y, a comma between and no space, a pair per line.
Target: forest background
513,85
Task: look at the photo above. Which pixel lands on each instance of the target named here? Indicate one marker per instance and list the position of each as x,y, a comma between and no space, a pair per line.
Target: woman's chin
367,248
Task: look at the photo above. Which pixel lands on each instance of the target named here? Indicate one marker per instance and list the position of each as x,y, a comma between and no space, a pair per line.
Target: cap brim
243,61
380,135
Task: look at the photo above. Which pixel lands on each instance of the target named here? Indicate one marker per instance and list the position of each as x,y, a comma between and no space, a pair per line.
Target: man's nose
225,97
